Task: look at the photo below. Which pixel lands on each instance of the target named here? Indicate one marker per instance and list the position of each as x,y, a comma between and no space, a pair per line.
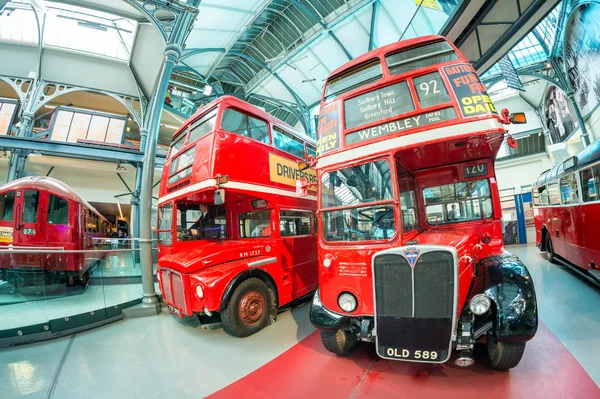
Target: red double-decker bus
411,255
235,242
566,212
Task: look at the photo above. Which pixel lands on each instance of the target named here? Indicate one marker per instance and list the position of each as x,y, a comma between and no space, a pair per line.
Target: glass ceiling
535,46
70,27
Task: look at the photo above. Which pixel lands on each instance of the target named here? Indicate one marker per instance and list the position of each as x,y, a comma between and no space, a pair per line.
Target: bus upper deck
208,146
423,85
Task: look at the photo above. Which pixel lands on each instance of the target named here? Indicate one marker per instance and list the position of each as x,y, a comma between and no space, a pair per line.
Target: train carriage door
298,249
59,230
7,218
27,226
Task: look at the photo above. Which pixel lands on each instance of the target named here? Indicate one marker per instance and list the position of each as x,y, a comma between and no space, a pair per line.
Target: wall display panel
7,115
74,125
559,115
582,55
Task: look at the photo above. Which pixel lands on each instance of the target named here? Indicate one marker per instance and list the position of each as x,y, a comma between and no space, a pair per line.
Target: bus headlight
199,292
347,302
480,304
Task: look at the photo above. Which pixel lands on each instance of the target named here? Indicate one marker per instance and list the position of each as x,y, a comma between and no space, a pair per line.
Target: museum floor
162,357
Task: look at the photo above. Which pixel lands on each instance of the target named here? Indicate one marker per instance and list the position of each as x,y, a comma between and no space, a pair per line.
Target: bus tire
550,249
248,310
504,355
340,342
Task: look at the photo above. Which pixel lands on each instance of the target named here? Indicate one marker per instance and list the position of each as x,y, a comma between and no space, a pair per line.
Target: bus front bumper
323,318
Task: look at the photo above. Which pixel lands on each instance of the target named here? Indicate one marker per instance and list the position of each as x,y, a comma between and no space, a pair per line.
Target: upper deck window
288,142
182,166
458,202
177,144
244,125
359,76
7,205
203,126
419,57
378,104
311,150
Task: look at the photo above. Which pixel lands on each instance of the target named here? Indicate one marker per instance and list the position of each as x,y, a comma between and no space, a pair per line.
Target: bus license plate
173,309
412,354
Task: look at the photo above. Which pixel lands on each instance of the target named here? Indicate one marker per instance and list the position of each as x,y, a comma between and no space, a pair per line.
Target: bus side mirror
303,165
301,186
219,196
518,118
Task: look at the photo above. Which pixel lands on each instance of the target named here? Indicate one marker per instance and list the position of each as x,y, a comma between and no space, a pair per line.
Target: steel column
172,54
26,121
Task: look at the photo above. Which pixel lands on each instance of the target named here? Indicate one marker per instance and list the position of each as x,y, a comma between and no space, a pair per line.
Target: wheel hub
252,307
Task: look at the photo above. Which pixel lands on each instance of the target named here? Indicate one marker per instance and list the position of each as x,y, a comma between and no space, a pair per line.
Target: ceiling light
120,211
207,90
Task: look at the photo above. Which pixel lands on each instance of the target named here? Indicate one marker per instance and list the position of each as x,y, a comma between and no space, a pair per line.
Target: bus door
7,219
298,250
28,229
569,218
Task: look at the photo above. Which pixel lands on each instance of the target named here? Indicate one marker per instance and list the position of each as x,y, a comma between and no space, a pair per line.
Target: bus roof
243,105
390,47
587,156
50,184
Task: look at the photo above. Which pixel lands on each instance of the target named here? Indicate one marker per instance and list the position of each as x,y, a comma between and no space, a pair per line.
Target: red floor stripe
547,370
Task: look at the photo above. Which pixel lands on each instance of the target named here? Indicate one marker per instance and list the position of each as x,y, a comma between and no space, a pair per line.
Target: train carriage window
589,184
244,125
7,205
255,224
287,142
568,190
58,210
295,223
30,206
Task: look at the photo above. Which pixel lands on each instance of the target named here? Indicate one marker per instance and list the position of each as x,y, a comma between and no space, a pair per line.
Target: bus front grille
415,306
173,290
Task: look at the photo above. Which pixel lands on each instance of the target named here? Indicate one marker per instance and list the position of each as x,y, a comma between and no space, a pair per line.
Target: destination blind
377,105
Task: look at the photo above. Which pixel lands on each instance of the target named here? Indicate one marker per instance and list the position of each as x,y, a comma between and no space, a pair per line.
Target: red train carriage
566,211
411,255
42,212
235,243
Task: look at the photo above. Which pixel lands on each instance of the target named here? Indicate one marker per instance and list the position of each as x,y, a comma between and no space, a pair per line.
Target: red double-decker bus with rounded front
411,255
235,242
566,209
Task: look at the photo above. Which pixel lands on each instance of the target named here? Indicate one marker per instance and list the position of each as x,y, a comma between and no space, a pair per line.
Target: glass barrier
47,292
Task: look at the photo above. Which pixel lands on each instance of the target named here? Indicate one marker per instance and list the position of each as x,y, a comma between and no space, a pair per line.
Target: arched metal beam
301,104
306,11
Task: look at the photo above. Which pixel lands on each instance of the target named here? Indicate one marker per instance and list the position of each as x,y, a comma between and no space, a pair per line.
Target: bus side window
58,210
7,205
295,223
568,190
553,194
311,150
588,188
255,224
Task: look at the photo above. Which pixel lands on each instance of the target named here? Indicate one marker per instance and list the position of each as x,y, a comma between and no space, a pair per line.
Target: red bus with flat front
42,212
566,211
411,255
235,243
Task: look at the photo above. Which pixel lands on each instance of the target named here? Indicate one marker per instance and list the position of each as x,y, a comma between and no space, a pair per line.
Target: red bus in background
411,255
42,212
566,202
235,243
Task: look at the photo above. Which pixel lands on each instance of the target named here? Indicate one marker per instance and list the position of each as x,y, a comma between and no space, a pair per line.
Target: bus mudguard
506,280
245,274
323,318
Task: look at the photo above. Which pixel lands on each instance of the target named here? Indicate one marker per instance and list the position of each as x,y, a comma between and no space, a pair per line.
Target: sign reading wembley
401,124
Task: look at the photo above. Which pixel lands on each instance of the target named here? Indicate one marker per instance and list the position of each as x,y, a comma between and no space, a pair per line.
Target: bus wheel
340,342
504,355
248,309
549,249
